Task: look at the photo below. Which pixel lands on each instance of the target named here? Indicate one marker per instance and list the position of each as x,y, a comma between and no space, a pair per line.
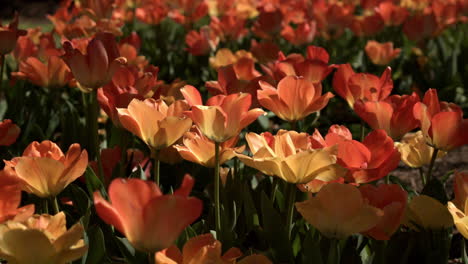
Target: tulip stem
363,130
216,193
45,206
431,165
334,255
151,258
291,189
2,68
55,205
93,127
423,177
274,189
157,165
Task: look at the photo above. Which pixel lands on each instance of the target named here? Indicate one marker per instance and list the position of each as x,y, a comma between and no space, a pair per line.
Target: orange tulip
392,199
9,132
97,67
205,249
294,99
381,53
150,220
289,156
368,161
339,210
393,114
201,42
303,34
156,123
10,198
392,14
9,35
199,149
223,117
45,171
442,124
41,239
54,74
353,86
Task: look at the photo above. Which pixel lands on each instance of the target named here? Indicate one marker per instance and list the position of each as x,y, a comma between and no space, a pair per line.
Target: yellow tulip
426,213
414,150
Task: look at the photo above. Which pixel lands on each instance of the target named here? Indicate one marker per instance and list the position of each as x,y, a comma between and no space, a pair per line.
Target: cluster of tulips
248,168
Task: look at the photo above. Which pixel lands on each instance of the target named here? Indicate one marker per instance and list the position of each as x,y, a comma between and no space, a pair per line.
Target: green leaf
97,247
93,183
435,189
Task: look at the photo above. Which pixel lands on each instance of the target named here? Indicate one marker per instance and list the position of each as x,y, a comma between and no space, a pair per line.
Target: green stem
157,165
93,127
363,131
334,254
464,257
151,258
45,206
274,189
317,116
55,205
2,68
293,125
431,165
216,193
379,248
291,188
423,177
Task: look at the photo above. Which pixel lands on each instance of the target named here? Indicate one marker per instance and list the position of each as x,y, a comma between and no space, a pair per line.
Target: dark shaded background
27,8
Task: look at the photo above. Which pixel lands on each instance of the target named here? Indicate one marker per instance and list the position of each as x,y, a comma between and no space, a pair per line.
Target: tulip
225,57
339,210
9,35
205,249
392,14
289,157
45,171
391,198
303,34
442,124
202,42
294,99
199,149
54,74
381,53
459,218
426,213
460,188
393,114
154,122
223,117
414,150
9,132
10,198
150,220
41,239
353,86
97,67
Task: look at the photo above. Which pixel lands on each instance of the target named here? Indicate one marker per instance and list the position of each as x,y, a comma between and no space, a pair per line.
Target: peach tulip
414,150
150,220
442,124
294,99
353,86
9,132
223,117
205,249
9,35
10,198
45,171
339,210
97,67
381,53
154,122
53,74
41,239
392,199
393,114
199,149
289,157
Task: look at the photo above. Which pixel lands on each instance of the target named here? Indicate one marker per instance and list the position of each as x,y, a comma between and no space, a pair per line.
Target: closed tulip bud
97,67
9,132
9,35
